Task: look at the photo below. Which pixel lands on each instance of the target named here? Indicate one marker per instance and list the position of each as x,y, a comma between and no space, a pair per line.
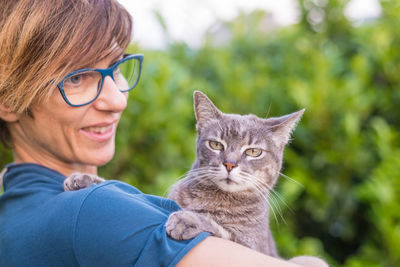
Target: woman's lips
99,133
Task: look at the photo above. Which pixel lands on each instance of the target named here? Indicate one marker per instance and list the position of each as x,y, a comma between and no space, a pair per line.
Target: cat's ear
283,126
204,108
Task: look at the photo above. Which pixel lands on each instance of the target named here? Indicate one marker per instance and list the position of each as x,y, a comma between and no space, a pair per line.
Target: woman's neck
62,167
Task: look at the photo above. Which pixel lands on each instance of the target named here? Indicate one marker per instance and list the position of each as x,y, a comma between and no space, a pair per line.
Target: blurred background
339,59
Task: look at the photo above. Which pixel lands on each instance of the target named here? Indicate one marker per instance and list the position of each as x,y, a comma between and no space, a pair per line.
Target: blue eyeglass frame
104,73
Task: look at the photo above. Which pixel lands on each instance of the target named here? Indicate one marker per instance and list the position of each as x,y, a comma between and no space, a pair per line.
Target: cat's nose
229,165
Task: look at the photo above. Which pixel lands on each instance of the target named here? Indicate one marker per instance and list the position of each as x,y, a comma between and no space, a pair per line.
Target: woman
61,96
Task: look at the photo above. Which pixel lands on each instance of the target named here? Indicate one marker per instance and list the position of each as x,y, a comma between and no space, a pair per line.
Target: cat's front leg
78,181
186,224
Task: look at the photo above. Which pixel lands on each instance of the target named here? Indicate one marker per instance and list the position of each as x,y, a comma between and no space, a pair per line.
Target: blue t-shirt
110,224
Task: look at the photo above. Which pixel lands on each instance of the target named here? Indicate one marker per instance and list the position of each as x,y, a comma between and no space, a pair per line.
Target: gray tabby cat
238,161
237,165
226,191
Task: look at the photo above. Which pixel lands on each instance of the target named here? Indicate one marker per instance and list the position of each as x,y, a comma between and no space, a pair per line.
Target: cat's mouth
229,181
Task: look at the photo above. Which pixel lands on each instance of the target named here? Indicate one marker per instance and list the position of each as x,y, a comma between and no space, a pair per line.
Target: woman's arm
215,251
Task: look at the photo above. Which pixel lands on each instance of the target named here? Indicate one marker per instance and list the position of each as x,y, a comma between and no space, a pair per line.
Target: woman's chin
100,158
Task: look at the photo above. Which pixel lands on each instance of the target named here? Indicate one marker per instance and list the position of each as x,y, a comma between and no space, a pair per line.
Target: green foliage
345,153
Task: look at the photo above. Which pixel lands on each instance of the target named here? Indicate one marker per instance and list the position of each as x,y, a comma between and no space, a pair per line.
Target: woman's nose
111,98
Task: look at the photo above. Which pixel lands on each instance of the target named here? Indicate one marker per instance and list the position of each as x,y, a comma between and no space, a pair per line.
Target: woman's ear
7,115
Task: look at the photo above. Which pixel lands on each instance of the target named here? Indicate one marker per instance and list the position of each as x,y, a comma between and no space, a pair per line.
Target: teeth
99,130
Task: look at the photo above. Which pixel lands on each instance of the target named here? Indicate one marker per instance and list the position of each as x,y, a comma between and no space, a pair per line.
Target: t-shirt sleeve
119,226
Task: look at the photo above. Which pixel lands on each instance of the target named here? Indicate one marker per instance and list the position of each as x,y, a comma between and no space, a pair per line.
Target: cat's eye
216,145
253,152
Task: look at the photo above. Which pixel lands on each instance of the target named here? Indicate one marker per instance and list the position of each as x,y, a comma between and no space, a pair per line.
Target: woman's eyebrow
112,61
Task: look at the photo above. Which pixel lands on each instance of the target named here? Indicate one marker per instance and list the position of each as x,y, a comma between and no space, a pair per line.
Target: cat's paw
183,225
78,181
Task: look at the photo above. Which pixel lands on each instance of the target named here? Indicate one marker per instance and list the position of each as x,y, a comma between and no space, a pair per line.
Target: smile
99,133
97,129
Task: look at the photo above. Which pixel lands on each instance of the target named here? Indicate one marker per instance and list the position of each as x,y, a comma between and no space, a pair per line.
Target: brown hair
42,41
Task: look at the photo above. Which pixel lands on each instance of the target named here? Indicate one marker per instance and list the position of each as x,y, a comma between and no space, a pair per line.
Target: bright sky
187,20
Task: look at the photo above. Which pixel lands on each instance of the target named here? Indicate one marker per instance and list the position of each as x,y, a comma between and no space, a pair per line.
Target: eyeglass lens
84,86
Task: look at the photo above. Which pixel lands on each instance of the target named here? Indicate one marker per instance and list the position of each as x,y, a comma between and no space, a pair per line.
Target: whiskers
197,176
244,180
266,192
193,177
291,179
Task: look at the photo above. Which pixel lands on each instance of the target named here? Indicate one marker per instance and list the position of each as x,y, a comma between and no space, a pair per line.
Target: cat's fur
226,191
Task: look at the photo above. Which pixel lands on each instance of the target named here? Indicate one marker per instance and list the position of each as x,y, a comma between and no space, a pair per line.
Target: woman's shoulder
127,225
113,194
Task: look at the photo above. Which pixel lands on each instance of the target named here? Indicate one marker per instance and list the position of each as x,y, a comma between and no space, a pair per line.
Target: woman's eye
253,152
74,80
216,145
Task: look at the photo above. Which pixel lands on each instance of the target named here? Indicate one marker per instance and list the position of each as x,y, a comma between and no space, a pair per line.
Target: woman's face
70,139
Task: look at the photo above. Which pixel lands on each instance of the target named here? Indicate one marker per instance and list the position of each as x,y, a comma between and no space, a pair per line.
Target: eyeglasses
82,87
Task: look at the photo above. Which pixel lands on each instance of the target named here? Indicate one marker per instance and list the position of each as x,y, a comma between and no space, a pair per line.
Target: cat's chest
228,213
